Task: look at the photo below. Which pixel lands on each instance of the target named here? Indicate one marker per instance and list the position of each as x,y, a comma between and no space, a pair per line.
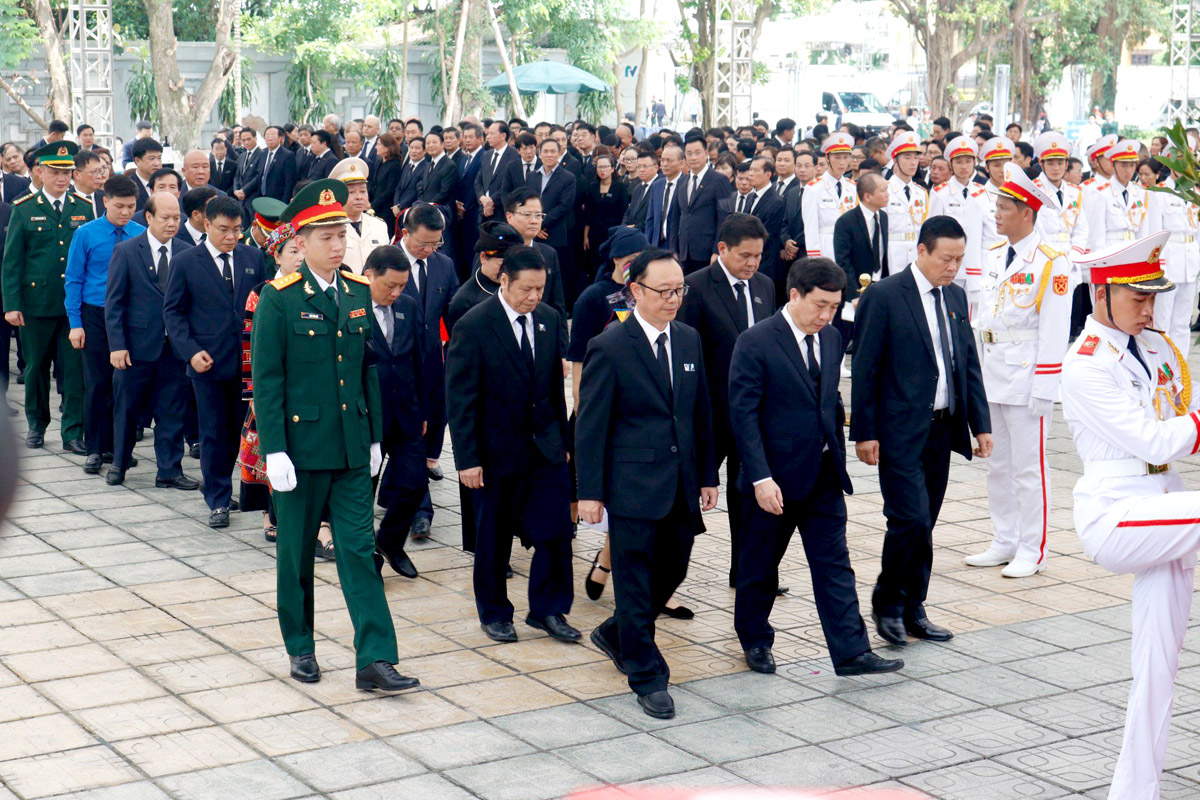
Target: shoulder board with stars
83,197
1089,345
353,276
286,280
813,182
1049,252
997,245
24,199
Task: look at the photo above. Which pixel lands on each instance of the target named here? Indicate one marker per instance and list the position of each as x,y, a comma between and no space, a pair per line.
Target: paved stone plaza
140,659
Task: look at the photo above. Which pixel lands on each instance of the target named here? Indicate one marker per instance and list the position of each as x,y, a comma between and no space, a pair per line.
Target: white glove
1040,408
280,472
376,458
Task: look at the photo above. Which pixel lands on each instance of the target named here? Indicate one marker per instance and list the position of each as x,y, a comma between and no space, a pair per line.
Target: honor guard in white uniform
908,202
1062,223
829,196
365,231
1023,322
1128,399
1124,205
953,199
1181,262
995,154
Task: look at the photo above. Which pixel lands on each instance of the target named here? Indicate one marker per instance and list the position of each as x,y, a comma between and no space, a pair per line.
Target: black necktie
421,277
907,193
266,169
1125,196
1060,197
161,270
838,184
742,317
692,191
227,273
944,336
814,369
1133,348
877,244
742,203
964,193
495,158
526,347
1012,253
203,237
58,206
664,364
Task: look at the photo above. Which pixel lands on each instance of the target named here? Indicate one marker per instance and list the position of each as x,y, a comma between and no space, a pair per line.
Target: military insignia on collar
1089,346
345,287
308,289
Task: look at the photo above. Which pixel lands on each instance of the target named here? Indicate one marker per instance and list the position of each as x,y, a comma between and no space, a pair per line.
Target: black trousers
7,335
221,412
913,487
538,504
821,520
401,485
650,560
691,265
1081,306
97,383
160,388
735,501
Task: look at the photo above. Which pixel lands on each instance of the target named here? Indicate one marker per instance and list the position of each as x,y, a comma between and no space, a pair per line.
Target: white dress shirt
669,191
941,397
514,323
156,245
194,232
652,333
216,254
413,270
699,180
733,282
325,285
382,313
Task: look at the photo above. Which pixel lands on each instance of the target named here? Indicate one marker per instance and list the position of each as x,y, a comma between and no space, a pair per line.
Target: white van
859,107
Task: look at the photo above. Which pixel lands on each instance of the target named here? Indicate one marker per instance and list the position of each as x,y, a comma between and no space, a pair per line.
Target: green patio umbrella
550,77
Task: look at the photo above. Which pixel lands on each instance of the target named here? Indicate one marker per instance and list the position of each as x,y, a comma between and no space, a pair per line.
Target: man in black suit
644,451
766,204
860,242
13,186
247,184
222,168
917,395
148,375
523,212
193,204
698,204
556,187
639,201
508,420
467,201
404,481
724,299
279,167
323,159
499,174
787,417
662,217
440,180
412,172
203,310
792,234
147,159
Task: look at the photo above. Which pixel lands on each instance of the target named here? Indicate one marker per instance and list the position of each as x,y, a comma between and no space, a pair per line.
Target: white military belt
1061,236
1004,337
1120,236
904,237
1185,238
1122,468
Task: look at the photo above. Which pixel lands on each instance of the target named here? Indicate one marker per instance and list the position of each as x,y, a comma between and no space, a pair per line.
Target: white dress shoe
989,558
1022,569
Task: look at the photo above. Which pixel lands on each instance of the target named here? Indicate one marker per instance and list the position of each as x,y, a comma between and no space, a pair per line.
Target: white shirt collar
699,175
868,214
652,333
1023,246
155,244
799,334
51,198
509,311
322,283
729,276
193,232
924,287
215,253
440,156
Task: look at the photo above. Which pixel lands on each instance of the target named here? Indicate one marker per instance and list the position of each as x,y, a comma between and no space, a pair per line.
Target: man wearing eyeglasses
432,284
89,177
523,211
644,452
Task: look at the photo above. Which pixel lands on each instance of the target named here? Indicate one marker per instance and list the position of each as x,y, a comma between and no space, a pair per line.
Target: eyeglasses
529,214
430,245
667,294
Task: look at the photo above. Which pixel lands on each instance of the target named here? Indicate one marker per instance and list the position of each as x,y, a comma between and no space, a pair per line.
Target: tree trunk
237,60
618,105
56,64
183,113
517,107
404,70
639,90
452,98
441,34
471,91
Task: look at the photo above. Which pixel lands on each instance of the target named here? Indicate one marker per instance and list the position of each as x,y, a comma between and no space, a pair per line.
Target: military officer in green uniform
318,407
266,219
34,271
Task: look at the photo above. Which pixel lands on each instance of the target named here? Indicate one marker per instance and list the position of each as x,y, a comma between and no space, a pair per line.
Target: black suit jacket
793,220
852,248
635,442
709,307
319,168
399,367
280,177
502,416
133,305
249,173
200,315
781,422
558,200
700,217
408,187
5,215
13,186
770,212
441,284
438,184
895,372
222,179
639,205
497,183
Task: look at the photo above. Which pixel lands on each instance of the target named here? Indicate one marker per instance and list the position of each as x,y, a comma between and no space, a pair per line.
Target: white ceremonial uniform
1122,214
953,199
1064,228
359,246
1123,419
906,212
1180,261
985,198
1024,323
820,208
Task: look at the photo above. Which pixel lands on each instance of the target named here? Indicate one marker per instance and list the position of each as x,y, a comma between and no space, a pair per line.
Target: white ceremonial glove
280,472
1040,408
376,458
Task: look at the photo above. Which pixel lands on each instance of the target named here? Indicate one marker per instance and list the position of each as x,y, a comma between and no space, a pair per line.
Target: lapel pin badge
689,367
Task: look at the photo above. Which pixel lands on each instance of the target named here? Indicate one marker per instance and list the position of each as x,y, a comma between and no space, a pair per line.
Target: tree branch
11,91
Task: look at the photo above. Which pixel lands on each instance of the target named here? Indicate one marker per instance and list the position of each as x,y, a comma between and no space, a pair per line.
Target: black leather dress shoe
194,451
607,649
420,529
760,659
115,477
500,631
218,518
305,669
139,434
21,378
924,629
75,446
382,677
402,565
34,440
178,482
107,458
868,664
557,626
508,573
435,473
92,465
657,704
891,629
234,505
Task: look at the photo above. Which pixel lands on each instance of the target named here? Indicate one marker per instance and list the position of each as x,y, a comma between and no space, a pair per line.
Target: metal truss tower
1184,54
733,61
90,39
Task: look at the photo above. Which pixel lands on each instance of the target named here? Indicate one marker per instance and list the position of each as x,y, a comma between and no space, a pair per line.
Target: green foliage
1183,162
18,34
309,88
382,75
226,108
195,20
143,99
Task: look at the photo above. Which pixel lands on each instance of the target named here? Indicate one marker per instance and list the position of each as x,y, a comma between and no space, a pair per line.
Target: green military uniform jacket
316,391
35,253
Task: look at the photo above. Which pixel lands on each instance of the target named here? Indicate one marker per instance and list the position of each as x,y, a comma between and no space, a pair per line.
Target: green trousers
42,340
349,496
